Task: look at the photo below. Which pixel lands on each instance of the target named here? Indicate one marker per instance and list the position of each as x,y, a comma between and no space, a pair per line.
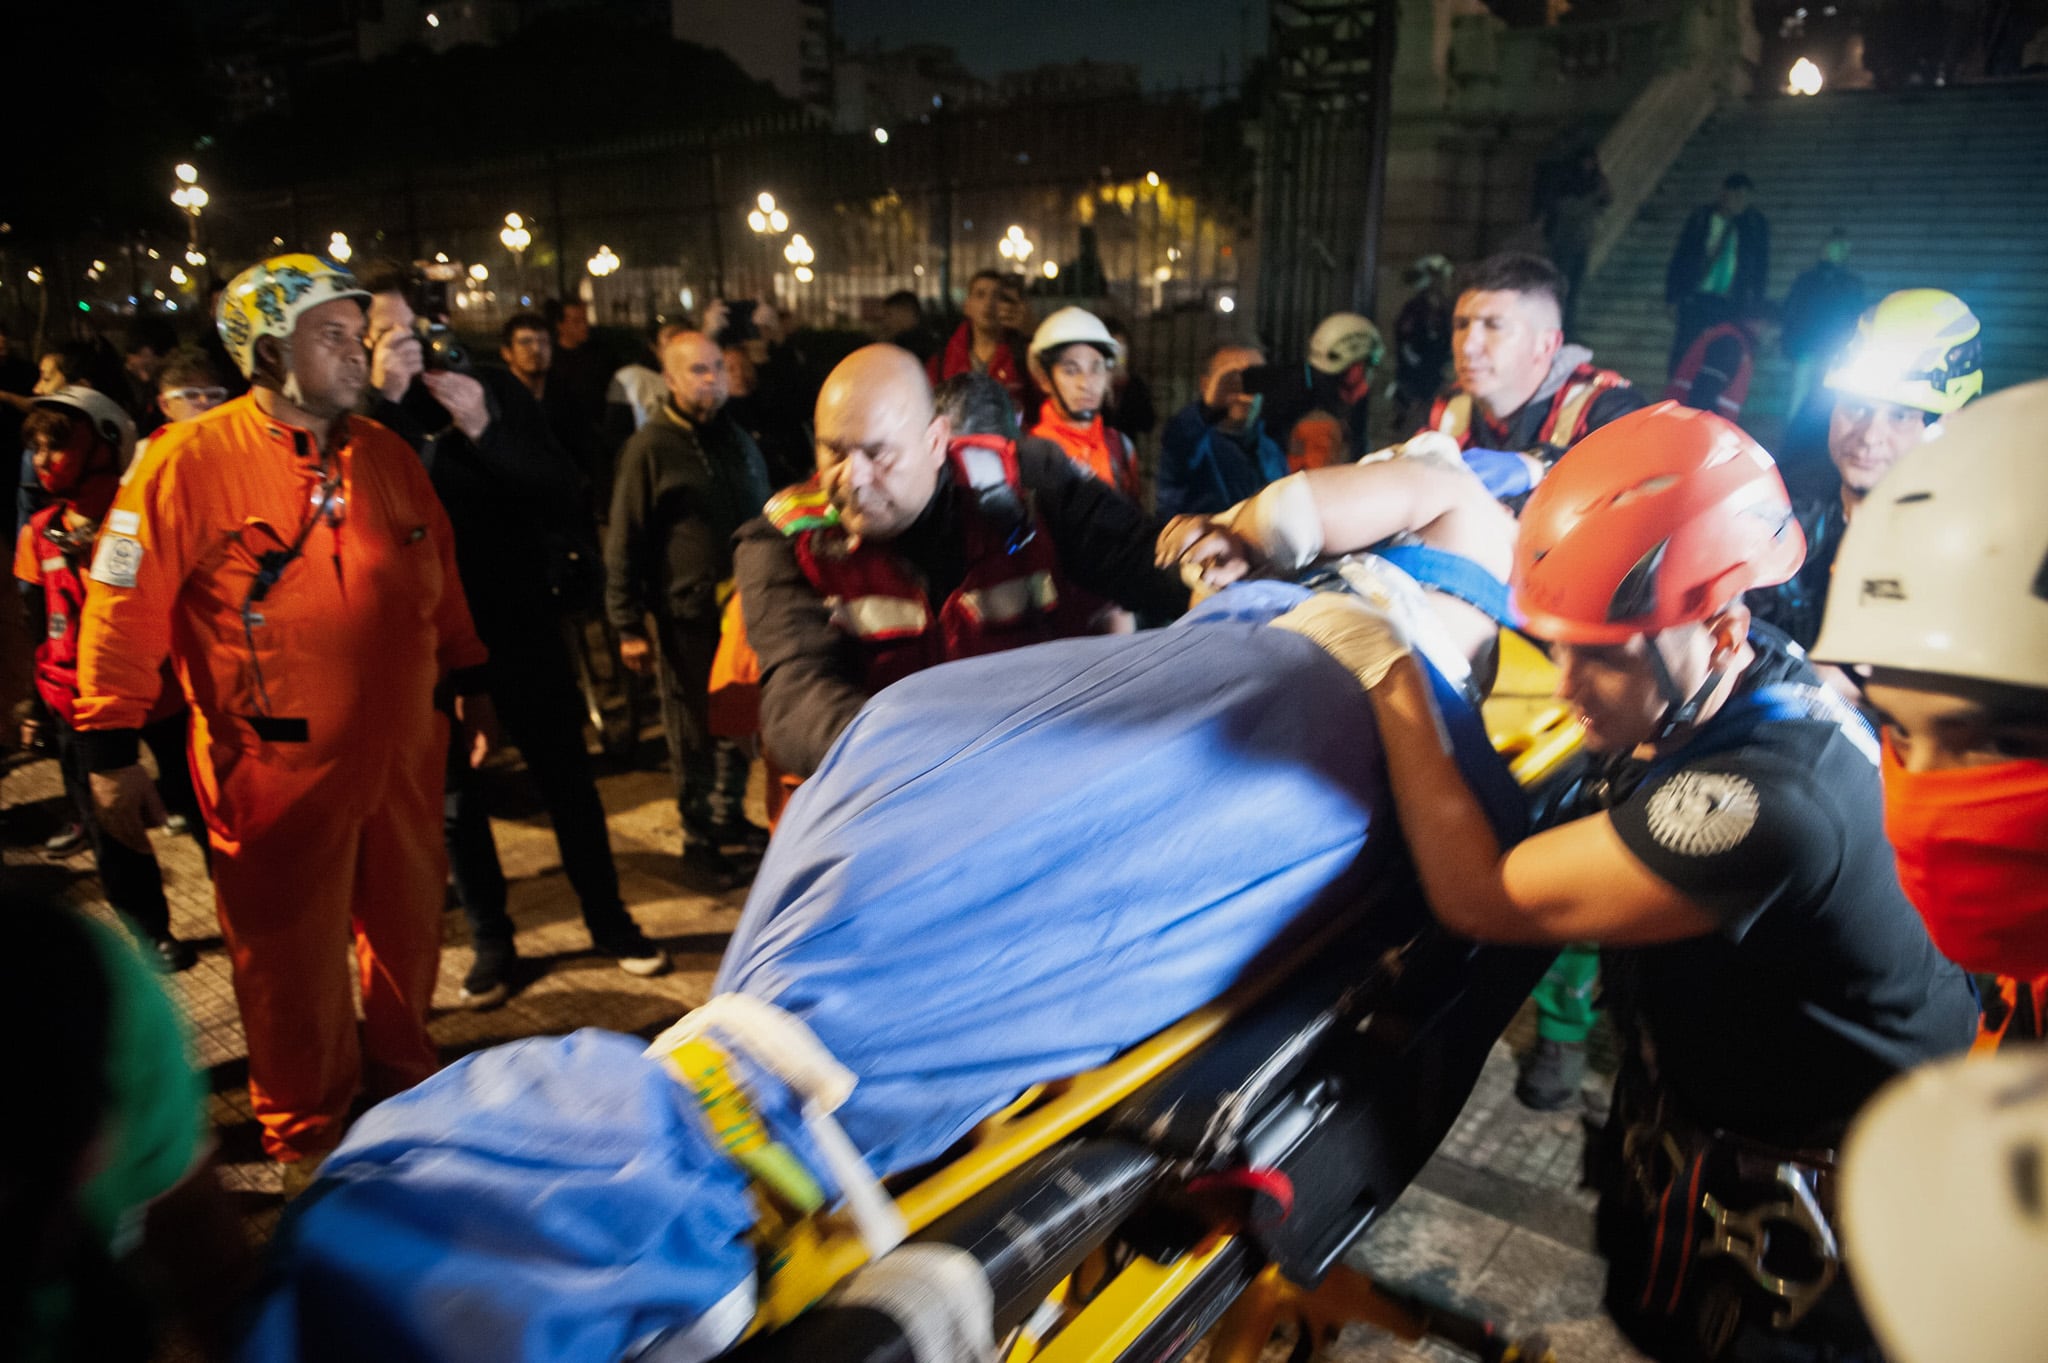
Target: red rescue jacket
1563,426
1013,592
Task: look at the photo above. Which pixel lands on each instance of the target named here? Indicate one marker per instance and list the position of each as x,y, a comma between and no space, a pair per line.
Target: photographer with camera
514,498
767,397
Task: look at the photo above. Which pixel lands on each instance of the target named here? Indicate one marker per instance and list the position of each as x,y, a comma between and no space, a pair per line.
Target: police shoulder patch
1702,813
117,560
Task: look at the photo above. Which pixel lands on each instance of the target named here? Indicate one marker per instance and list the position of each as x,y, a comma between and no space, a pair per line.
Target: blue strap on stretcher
1453,575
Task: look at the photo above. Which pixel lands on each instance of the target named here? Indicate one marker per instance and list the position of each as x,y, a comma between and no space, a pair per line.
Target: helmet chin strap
1680,711
289,389
1078,418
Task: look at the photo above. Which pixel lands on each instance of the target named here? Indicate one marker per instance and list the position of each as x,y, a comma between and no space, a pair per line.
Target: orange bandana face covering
1972,848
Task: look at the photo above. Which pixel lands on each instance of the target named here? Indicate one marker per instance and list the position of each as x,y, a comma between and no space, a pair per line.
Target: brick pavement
1496,1223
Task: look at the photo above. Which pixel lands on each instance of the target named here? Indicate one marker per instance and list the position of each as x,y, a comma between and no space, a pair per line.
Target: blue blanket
1007,870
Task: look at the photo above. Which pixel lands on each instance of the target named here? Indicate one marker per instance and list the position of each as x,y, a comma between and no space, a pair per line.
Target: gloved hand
1506,473
1366,640
1280,521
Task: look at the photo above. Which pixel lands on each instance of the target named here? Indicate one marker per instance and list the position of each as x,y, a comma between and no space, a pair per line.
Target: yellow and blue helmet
1919,348
267,298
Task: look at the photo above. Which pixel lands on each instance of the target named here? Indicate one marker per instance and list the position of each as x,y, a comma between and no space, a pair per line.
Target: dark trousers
133,881
1696,313
711,773
534,692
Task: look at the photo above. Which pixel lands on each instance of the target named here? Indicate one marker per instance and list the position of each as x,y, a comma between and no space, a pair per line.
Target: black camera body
440,347
739,325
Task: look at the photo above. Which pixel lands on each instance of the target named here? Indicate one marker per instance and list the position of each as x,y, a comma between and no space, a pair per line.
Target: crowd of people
320,562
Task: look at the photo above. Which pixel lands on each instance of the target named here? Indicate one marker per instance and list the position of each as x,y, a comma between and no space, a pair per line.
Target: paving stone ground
1497,1223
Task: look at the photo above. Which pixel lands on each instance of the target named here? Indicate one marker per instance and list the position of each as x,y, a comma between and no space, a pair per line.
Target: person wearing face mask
1940,605
1072,356
1765,970
1216,452
910,548
1819,316
81,441
1941,596
1916,357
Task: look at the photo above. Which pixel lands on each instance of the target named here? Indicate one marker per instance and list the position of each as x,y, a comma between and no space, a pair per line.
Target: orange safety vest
1013,592
1563,426
1103,450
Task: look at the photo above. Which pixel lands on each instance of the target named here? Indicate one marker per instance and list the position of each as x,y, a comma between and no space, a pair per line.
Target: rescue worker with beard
294,564
1917,357
909,548
1765,970
1072,357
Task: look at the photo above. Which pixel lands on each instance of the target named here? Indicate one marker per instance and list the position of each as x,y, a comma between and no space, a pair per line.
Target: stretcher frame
808,1258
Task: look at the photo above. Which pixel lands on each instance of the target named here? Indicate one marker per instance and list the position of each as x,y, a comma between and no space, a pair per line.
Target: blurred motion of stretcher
1207,1181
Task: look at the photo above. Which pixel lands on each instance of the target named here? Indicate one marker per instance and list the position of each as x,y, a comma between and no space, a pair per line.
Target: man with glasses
188,386
293,563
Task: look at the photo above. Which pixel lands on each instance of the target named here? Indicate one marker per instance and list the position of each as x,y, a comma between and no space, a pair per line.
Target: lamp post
191,196
1016,246
799,254
765,219
517,237
338,249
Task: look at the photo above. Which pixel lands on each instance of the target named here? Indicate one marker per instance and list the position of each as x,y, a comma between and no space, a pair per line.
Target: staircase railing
1709,58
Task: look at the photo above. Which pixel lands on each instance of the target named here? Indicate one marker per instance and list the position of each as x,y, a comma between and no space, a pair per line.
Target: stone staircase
1940,188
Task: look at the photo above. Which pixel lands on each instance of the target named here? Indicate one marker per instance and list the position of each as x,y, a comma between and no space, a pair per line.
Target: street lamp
882,136
603,263
517,238
1015,245
479,272
338,249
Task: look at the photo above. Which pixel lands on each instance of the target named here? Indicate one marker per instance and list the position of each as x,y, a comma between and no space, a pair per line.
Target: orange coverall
317,749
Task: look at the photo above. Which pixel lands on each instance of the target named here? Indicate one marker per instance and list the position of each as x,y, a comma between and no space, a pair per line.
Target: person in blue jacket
1216,452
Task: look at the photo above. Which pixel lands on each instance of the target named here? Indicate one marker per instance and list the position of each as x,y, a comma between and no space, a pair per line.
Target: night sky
1173,41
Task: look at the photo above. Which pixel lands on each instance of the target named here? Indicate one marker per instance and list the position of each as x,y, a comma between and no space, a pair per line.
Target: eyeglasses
209,396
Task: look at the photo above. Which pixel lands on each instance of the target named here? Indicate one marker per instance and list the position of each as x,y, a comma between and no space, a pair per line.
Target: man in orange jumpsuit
294,563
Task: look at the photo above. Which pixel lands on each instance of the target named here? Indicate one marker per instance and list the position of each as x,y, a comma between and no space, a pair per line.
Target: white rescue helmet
1343,339
1073,326
108,421
1945,568
1944,1209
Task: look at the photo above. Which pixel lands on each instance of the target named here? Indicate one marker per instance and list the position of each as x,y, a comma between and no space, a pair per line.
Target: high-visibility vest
1012,594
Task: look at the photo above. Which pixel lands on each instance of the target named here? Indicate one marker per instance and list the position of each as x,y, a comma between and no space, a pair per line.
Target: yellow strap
706,1071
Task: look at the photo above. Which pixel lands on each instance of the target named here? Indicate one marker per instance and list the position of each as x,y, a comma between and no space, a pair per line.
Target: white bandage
1434,447
1367,642
1281,521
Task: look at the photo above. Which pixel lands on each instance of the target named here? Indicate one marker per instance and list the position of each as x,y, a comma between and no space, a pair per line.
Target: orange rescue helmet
1660,518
